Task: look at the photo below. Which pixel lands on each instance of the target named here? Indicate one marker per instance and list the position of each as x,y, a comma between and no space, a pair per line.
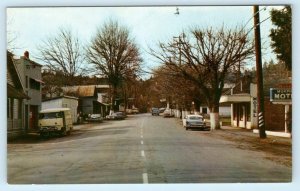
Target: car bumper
196,126
49,129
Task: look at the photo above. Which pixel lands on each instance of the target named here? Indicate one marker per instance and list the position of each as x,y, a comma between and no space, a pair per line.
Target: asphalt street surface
140,149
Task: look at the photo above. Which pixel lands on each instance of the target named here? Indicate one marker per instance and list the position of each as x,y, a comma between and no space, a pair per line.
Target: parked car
168,113
95,118
116,115
194,121
55,121
155,111
161,110
135,111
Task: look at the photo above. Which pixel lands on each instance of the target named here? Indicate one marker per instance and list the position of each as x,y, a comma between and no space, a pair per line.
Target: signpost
282,96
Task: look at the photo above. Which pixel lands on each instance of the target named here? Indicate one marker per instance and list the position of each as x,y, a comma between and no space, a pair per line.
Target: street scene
149,95
148,149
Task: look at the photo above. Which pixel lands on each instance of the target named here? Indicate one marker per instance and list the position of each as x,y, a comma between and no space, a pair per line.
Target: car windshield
195,117
51,115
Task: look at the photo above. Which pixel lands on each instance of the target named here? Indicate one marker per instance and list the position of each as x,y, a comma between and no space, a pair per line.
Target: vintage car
116,116
95,118
194,121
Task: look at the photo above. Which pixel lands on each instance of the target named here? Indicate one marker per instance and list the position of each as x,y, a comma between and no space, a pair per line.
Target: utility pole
259,75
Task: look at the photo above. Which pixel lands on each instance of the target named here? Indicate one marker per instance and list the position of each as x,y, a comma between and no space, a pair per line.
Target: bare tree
174,87
114,55
205,60
63,52
12,37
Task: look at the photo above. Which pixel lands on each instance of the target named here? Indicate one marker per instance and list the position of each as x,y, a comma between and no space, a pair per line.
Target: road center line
142,142
143,153
142,125
141,136
145,178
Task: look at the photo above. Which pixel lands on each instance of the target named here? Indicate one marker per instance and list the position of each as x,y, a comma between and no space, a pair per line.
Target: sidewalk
249,133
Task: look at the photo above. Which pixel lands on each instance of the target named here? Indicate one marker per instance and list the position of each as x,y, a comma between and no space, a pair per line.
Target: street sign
280,95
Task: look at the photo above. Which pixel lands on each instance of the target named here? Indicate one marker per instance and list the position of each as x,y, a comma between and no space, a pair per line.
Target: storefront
243,108
278,110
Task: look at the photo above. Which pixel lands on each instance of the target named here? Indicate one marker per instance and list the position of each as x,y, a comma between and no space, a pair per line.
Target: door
33,117
26,117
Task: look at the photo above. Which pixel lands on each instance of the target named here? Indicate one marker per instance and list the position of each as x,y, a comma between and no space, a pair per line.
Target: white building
62,102
31,79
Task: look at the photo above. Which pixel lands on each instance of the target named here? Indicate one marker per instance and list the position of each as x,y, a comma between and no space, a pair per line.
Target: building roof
102,86
86,91
236,98
80,91
54,110
60,97
15,93
14,85
30,61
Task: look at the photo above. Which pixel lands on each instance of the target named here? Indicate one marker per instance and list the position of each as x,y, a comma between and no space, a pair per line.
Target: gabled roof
60,97
22,58
80,91
12,77
86,91
14,85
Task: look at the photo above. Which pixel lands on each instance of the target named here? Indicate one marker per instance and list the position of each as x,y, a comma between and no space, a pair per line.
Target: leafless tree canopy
114,54
63,52
206,58
175,88
12,37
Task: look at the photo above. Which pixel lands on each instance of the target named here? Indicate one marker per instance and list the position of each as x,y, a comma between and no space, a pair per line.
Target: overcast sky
147,25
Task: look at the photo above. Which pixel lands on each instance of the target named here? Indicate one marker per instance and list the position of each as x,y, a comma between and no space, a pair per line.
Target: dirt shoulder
277,149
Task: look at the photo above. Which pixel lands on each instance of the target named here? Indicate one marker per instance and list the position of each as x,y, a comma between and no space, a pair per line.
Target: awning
15,93
105,104
40,81
236,98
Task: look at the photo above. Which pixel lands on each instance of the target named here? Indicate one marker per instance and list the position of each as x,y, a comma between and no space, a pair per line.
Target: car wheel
63,132
69,132
44,134
186,128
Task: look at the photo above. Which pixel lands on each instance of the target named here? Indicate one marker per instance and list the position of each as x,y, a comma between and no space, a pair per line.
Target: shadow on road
35,138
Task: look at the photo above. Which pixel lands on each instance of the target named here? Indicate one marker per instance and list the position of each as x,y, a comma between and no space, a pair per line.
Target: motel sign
280,95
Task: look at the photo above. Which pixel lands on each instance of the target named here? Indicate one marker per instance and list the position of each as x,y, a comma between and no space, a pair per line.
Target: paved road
140,149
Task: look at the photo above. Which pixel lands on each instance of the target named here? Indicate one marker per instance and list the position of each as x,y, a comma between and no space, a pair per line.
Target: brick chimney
26,54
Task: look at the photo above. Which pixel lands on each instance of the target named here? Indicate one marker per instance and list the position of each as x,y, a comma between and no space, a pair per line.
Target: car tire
186,128
45,134
63,132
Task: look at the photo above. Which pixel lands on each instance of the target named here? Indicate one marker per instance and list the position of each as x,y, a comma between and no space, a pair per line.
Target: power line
263,9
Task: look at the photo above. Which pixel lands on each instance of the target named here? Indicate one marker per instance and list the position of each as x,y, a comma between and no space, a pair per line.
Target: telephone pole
259,75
